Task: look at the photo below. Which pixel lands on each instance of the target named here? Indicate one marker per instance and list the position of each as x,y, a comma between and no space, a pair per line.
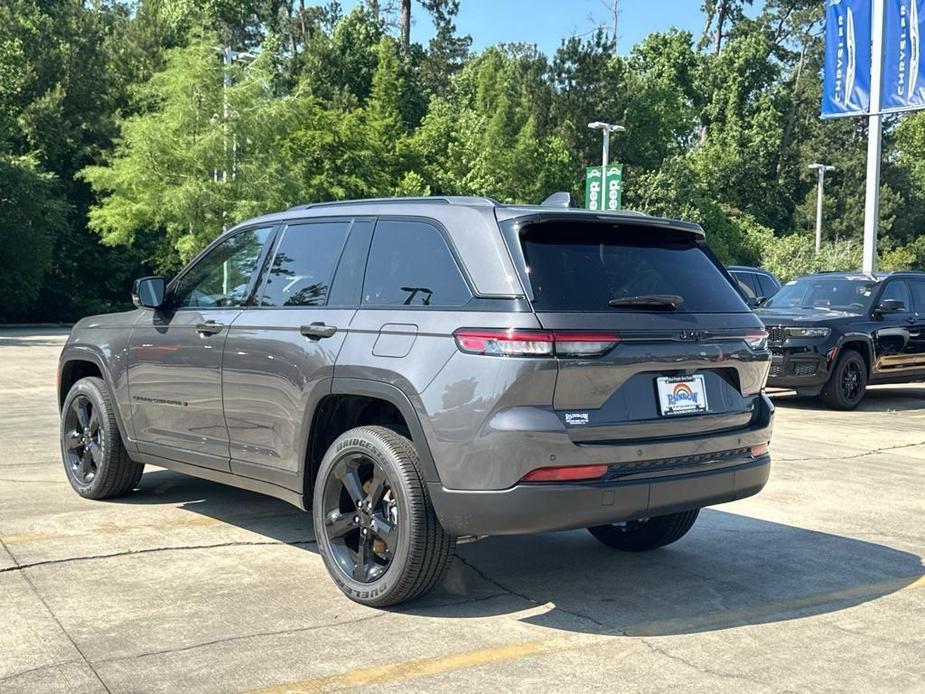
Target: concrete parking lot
185,585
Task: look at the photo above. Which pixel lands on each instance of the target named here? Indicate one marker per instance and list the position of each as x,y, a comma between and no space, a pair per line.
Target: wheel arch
862,344
368,402
82,363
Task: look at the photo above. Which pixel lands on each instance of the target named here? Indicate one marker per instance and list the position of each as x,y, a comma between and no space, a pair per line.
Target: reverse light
534,343
757,339
807,332
572,473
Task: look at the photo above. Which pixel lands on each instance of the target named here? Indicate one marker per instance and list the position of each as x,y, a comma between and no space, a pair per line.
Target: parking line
436,665
426,667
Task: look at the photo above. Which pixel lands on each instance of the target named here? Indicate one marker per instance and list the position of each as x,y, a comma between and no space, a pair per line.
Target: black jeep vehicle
832,334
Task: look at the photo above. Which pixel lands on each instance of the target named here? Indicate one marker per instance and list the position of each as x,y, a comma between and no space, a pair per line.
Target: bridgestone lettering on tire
376,528
95,460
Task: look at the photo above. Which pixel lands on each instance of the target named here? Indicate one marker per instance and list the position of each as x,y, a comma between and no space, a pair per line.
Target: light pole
820,187
607,128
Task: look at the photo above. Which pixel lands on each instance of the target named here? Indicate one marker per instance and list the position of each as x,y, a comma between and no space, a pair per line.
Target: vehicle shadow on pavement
877,399
730,570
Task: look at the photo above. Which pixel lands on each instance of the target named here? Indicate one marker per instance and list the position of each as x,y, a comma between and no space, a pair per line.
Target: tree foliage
126,144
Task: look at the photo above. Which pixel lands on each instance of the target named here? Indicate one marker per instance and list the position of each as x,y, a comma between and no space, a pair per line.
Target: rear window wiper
671,301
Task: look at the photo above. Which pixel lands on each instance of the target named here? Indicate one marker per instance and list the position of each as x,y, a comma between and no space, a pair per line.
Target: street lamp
820,173
607,128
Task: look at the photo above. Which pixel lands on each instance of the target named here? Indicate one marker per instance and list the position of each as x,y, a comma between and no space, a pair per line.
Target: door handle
210,327
316,331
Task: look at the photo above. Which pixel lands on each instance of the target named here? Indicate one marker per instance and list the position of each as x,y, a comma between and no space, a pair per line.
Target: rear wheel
376,528
847,382
95,460
646,533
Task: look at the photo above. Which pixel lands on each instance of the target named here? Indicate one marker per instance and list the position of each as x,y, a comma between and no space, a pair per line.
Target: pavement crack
49,562
53,616
854,456
699,668
243,637
523,596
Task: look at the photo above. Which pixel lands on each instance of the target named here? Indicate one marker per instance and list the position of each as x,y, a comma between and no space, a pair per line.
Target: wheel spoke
94,424
339,524
83,469
350,478
96,453
386,531
361,568
82,408
72,440
376,487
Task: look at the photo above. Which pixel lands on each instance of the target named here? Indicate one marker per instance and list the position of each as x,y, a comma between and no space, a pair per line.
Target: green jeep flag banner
604,187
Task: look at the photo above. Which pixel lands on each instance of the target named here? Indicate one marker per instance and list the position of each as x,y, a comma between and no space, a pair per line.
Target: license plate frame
681,395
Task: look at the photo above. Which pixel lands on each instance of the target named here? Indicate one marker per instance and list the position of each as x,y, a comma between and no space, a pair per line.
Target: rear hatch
681,353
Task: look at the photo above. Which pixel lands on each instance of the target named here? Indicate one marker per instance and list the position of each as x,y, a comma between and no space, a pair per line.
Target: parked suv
418,370
832,334
756,285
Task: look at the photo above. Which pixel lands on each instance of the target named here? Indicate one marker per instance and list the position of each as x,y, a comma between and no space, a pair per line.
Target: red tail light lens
534,343
572,473
759,450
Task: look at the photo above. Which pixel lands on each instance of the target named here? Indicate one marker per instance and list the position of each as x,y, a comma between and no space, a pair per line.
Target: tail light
571,473
534,343
759,450
757,339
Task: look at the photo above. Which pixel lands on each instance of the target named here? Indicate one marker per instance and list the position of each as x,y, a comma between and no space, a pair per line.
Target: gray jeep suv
419,370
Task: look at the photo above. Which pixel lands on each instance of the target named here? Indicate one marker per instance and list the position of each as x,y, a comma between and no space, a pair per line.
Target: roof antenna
560,199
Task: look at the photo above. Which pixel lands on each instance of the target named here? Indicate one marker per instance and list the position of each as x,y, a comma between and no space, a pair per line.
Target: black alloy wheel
361,517
95,460
376,527
83,445
847,383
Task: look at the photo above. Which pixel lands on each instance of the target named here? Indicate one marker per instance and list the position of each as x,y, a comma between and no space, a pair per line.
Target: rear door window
302,267
767,286
584,267
410,264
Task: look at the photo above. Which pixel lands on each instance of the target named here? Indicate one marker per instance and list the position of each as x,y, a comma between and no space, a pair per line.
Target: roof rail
430,200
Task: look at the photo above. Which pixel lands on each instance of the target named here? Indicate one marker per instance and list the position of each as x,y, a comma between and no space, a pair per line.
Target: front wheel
377,531
96,462
847,383
646,533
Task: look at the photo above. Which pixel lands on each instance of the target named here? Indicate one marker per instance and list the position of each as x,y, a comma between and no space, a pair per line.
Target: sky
547,22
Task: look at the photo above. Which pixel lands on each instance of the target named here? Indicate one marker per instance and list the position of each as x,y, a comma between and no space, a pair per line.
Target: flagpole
874,133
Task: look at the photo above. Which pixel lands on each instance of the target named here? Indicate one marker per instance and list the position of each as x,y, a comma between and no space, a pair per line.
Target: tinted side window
898,289
767,285
918,296
348,278
411,265
747,289
223,276
302,267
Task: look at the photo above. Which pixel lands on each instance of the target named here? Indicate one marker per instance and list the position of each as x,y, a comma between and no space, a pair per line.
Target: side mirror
148,292
754,301
891,306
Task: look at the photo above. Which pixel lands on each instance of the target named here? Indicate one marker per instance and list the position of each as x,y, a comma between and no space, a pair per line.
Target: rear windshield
586,267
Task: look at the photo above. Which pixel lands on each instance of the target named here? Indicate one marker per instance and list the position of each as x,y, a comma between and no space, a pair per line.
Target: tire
847,383
645,534
376,528
95,460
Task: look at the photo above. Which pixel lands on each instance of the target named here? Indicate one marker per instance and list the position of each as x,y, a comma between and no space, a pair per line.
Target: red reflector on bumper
565,474
759,450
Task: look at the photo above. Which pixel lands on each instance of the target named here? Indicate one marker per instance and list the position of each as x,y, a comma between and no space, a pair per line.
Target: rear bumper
532,508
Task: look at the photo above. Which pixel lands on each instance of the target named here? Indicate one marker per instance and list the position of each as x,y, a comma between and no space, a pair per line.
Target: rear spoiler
634,219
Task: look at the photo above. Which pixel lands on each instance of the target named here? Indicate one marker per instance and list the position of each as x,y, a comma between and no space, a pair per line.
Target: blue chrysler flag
846,84
903,76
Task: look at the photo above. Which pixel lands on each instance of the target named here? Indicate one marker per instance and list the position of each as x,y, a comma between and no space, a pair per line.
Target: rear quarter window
582,267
